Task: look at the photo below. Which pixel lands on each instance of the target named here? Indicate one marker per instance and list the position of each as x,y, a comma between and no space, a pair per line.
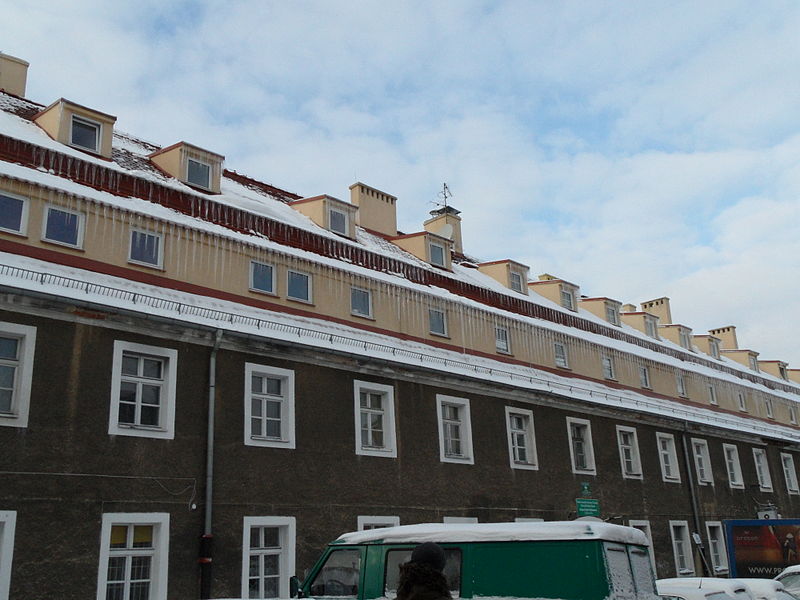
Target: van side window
395,558
339,576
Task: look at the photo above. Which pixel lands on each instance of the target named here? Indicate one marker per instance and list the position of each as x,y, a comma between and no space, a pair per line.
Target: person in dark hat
421,578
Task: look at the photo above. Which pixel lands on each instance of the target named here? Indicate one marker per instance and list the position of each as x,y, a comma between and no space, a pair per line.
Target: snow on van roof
497,532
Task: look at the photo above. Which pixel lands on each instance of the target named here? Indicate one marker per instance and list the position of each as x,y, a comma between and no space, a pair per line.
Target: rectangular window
134,554
753,362
337,221
8,523
146,248
741,401
455,429
562,358
644,527
298,286
783,373
684,338
682,548
580,446
762,469
712,394
716,547
262,277
789,473
713,346
702,462
516,281
612,314
437,254
651,327
62,226
360,302
85,134
13,213
501,338
733,466
143,383
768,408
680,383
198,173
567,297
629,452
521,439
268,406
668,457
793,415
268,556
366,522
608,367
437,321
374,416
17,345
644,377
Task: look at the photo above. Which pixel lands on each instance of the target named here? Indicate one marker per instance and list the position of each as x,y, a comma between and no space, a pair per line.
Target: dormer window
713,348
612,313
338,221
515,279
85,134
753,362
198,173
685,340
436,254
567,297
782,371
651,327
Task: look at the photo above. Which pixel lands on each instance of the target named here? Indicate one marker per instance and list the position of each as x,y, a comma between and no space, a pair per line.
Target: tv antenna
444,195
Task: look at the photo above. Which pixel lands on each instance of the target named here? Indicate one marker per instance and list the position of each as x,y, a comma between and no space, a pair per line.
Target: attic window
85,134
753,363
713,347
516,281
338,221
198,173
437,254
650,327
612,313
685,341
567,297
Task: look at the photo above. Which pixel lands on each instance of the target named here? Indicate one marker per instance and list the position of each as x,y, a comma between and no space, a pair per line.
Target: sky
637,149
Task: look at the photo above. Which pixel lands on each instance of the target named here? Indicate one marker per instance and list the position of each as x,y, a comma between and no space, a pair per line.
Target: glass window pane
298,286
144,247
274,429
271,564
127,413
256,407
119,536
152,368
140,567
263,277
151,394
274,386
62,226
9,348
7,377
116,568
273,409
271,537
115,591
198,173
271,587
150,415
84,134
11,213
130,364
255,542
143,536
5,400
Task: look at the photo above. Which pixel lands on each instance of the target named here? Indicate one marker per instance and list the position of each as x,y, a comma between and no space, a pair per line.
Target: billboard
762,548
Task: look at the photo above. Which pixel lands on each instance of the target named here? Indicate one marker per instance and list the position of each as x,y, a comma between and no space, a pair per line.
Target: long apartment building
205,378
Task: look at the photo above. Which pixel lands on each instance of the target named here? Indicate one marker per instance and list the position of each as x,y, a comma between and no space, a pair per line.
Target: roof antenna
444,195
442,207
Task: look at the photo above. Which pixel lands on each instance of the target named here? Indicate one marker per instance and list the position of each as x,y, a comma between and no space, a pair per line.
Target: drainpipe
693,494
207,538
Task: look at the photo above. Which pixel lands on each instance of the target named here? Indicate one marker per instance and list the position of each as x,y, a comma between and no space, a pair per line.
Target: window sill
263,292
635,476
360,316
441,335
504,352
300,301
62,244
146,265
671,480
19,233
525,466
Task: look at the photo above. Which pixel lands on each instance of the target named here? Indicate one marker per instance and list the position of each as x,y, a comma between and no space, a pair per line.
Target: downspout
207,538
693,495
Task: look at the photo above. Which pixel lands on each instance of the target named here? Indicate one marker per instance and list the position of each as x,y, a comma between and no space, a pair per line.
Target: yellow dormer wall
56,121
318,210
597,306
500,271
418,244
672,333
174,160
704,343
439,222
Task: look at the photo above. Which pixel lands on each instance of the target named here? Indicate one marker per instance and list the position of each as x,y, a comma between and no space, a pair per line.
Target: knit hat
429,553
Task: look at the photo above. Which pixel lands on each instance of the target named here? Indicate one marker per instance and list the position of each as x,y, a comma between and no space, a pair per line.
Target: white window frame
443,312
273,291
790,474
644,377
607,366
286,376
733,466
567,296
287,527
720,564
21,396
8,525
515,281
532,464
160,564
563,360
672,455
612,313
792,414
466,457
762,469
591,467
389,449
346,217
23,217
753,363
81,226
712,395
740,398
635,459
357,313
166,430
651,326
644,526
769,408
685,539
309,289
98,136
502,339
209,166
680,384
684,338
159,264
713,347
375,521
702,462
431,246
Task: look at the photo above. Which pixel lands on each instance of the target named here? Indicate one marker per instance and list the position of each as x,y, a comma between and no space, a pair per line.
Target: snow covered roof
496,532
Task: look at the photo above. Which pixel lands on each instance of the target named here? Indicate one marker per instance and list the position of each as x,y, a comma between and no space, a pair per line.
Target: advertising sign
762,548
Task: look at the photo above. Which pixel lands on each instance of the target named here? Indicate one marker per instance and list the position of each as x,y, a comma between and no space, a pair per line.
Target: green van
573,560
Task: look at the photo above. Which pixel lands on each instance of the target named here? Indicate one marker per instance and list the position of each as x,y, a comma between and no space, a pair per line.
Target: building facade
205,378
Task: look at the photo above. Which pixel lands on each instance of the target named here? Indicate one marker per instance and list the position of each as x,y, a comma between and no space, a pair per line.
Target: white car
767,589
689,592
731,587
790,578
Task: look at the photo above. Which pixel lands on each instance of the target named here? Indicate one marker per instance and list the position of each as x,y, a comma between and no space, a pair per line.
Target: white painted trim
288,529
81,226
637,459
310,279
703,454
793,490
723,567
160,568
764,485
673,454
167,429
389,433
21,402
591,467
274,283
530,436
287,440
8,525
466,429
368,291
159,264
23,218
739,483
688,549
383,521
98,139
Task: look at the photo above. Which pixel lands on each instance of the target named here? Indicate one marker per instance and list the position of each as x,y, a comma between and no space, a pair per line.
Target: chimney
376,209
727,336
445,222
660,308
13,74
628,308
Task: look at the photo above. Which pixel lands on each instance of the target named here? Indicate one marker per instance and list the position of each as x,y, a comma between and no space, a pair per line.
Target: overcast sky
638,149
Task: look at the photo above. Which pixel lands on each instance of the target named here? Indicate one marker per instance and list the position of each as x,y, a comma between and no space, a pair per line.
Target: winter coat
421,582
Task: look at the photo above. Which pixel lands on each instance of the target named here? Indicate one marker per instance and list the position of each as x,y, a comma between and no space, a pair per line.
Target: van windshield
452,570
339,576
630,572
